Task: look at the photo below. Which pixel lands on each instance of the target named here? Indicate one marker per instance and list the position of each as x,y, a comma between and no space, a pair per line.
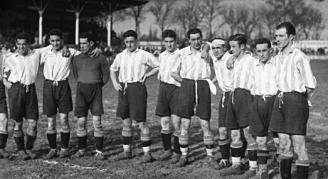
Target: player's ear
92,43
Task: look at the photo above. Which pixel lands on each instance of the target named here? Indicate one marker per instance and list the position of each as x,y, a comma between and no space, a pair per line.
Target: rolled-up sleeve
151,60
115,65
305,70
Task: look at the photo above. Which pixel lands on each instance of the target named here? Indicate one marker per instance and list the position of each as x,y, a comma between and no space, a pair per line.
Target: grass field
87,167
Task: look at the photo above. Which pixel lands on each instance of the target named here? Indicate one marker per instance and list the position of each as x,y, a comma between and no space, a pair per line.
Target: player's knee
235,135
165,124
32,127
3,125
261,144
223,132
81,127
64,125
51,126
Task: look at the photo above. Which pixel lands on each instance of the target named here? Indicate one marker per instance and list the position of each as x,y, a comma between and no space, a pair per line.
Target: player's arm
304,67
152,62
5,71
104,70
114,69
74,68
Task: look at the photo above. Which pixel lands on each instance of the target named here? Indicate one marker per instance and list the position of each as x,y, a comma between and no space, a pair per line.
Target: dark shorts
167,100
223,106
261,116
3,99
23,102
132,102
290,114
239,109
57,96
88,96
187,99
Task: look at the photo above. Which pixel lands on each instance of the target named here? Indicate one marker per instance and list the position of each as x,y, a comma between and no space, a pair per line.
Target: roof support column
109,29
40,26
77,21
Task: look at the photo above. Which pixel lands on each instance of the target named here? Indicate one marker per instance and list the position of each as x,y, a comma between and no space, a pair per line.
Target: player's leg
176,120
302,162
145,141
52,136
166,135
184,142
99,137
64,135
285,156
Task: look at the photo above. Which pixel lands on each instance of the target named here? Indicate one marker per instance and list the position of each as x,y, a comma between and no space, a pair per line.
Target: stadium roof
58,8
57,13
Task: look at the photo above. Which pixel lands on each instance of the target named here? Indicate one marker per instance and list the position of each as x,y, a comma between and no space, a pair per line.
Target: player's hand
95,52
117,86
205,51
66,52
230,62
144,78
7,84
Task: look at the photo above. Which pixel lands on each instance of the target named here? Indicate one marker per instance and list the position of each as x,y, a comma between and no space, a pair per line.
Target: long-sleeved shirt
294,71
132,66
90,70
263,77
224,76
192,66
167,61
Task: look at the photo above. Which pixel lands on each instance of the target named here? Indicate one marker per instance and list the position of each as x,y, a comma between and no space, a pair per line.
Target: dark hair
130,33
169,33
56,32
25,36
263,41
88,36
240,38
194,31
290,29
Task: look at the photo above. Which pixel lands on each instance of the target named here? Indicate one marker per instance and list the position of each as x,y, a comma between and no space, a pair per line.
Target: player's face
218,50
282,38
263,52
130,43
195,41
235,48
22,46
85,45
170,44
56,42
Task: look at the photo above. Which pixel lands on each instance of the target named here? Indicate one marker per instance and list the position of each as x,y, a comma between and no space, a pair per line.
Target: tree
189,15
230,17
210,9
249,18
137,13
162,10
303,16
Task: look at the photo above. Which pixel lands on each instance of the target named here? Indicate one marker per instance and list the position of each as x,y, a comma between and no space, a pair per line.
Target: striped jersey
224,76
167,60
263,76
132,66
192,66
242,72
294,71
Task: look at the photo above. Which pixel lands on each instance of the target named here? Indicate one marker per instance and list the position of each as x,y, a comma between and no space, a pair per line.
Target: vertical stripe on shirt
294,71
